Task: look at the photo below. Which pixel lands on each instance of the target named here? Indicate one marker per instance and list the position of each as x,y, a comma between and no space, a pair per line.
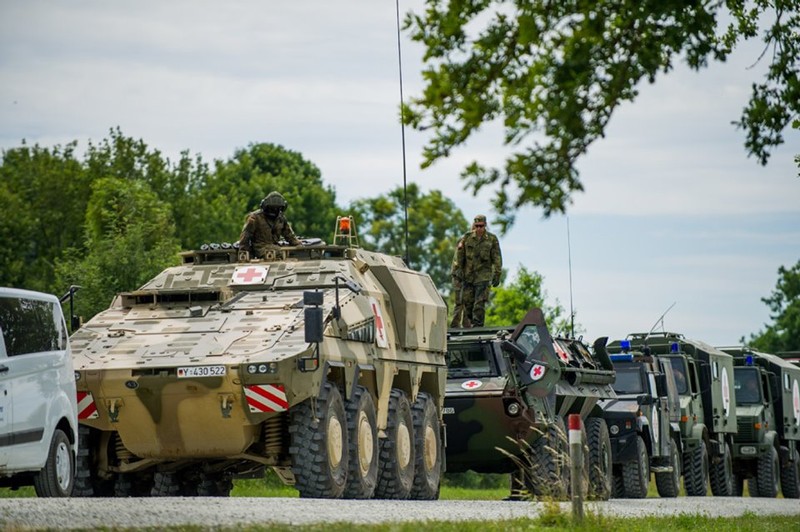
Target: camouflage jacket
477,260
259,233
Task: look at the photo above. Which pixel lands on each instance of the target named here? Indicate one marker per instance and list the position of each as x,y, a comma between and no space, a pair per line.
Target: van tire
790,476
57,477
636,473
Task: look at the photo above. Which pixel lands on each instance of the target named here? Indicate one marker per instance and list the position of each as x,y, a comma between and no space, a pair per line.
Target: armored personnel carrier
323,362
766,449
509,390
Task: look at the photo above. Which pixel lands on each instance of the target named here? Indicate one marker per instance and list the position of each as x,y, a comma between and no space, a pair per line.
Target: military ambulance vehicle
509,390
323,362
703,375
644,423
766,449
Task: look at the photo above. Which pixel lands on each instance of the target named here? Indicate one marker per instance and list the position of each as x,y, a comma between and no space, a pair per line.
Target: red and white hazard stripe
266,398
86,407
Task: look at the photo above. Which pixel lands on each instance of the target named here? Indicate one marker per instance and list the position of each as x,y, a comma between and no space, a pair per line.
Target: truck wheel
669,483
721,475
636,474
790,476
133,484
214,485
396,463
617,487
427,449
695,471
363,437
738,485
767,474
599,441
87,483
549,475
173,484
318,430
57,477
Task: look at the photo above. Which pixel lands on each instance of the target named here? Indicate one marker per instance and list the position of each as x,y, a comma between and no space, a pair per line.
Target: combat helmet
273,204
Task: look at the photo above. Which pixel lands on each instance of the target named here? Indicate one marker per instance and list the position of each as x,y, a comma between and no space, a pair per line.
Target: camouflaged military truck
644,424
323,362
509,390
707,408
766,449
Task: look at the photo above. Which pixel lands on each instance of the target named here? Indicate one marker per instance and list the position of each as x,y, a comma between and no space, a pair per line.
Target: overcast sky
673,210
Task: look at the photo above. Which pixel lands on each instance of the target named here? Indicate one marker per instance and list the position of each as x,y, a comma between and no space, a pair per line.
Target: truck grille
745,430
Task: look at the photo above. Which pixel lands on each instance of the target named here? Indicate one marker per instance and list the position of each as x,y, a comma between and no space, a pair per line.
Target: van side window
30,326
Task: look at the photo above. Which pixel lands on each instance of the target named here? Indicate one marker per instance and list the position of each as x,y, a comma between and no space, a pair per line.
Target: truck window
680,374
30,326
745,382
471,361
629,380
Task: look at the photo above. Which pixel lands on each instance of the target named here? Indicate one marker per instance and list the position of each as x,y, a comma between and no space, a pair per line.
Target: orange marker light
757,426
344,225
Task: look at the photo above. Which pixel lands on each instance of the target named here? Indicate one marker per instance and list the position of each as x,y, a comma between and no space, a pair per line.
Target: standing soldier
477,263
267,226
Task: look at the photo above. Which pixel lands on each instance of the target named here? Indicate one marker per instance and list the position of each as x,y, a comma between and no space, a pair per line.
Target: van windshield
629,380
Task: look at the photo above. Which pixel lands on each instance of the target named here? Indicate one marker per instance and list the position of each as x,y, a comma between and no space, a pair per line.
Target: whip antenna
569,260
402,132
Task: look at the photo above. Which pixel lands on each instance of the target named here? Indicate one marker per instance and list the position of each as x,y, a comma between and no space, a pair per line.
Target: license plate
201,371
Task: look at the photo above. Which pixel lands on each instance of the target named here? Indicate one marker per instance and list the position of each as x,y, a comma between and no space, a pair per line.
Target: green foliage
434,226
784,305
510,302
552,73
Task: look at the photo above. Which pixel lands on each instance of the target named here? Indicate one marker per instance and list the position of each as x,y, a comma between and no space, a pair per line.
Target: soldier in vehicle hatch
477,264
267,226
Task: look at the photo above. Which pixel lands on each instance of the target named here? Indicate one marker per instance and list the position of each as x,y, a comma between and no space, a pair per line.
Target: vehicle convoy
644,424
707,408
38,414
509,390
766,448
323,362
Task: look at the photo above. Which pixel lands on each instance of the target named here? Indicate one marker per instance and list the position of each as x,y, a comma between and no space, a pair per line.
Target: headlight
748,450
513,409
614,429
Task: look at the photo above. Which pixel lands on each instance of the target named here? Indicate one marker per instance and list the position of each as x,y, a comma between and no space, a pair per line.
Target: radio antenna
659,320
402,133
569,260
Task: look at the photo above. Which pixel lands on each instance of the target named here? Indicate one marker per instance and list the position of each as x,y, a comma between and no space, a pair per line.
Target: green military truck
707,408
766,449
509,390
644,423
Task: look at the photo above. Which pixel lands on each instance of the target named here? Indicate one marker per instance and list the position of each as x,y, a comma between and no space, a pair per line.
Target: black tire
57,477
397,460
549,475
636,473
695,471
87,481
173,484
738,485
617,487
669,483
600,474
517,490
721,474
768,473
363,439
319,446
427,449
790,476
216,484
133,484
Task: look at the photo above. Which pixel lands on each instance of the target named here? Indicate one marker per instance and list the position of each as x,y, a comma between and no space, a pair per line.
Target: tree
784,305
552,72
434,226
510,303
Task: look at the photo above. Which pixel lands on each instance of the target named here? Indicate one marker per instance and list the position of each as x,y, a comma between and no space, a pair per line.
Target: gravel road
33,513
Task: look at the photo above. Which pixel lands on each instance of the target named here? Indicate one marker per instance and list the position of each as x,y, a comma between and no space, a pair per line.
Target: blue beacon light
674,348
748,360
625,345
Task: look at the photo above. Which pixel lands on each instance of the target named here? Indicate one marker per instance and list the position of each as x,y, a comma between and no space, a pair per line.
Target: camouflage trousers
474,297
460,318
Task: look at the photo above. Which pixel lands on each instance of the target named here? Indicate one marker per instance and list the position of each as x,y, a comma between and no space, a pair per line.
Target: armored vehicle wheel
636,474
133,484
669,483
738,486
214,484
617,487
549,475
87,482
173,484
363,437
427,449
790,476
695,471
517,490
57,477
396,463
319,445
767,474
721,475
599,441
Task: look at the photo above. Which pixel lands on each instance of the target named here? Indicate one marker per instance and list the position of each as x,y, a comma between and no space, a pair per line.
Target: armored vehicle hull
325,363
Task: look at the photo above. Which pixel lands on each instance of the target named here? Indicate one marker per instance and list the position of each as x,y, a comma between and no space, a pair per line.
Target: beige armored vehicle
323,362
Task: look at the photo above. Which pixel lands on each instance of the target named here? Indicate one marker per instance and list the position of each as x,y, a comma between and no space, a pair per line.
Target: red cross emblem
380,328
249,275
537,372
471,385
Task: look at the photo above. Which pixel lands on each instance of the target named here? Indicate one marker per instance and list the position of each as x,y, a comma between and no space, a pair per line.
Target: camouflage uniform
477,263
261,231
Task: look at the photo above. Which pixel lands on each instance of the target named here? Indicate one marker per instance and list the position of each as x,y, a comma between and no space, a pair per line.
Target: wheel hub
365,443
403,446
335,443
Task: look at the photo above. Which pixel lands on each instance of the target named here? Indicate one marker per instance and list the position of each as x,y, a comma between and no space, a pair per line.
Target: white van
38,410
